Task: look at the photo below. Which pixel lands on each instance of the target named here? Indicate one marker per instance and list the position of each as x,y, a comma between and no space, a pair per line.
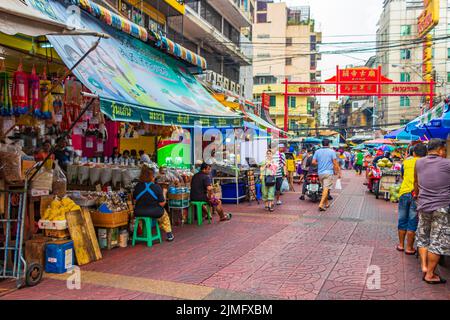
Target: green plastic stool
147,231
198,205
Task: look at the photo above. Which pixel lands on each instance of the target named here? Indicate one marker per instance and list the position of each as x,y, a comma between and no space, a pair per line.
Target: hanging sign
429,17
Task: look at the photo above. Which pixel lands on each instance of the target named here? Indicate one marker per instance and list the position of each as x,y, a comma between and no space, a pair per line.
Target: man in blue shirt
328,165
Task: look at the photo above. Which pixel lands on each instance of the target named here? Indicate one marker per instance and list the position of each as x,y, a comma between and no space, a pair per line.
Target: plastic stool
198,205
147,231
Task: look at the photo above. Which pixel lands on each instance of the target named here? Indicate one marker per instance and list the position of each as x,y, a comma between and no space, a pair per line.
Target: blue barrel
59,257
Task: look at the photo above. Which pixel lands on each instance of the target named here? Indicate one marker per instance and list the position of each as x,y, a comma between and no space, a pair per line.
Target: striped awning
181,52
125,25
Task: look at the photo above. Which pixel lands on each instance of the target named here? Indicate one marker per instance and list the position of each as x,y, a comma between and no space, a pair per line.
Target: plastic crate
59,256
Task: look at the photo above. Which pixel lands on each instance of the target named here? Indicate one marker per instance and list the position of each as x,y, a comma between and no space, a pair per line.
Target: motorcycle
374,177
313,188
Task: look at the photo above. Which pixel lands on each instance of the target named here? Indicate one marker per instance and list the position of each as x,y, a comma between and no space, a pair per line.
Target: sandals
399,249
227,218
322,209
411,253
441,281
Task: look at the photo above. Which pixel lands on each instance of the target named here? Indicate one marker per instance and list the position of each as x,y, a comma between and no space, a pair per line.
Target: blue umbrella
401,134
436,128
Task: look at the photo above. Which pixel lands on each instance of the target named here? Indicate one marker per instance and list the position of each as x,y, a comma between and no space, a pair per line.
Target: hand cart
12,262
388,179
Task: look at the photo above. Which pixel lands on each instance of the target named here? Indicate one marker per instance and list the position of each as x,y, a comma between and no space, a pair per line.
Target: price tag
89,143
94,121
77,131
99,146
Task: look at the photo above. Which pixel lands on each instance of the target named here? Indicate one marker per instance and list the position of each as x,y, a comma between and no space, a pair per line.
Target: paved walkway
294,253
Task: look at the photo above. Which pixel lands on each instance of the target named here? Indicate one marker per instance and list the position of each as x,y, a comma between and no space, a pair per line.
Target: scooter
313,188
374,177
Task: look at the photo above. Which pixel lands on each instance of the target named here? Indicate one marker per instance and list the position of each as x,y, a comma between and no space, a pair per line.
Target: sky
342,20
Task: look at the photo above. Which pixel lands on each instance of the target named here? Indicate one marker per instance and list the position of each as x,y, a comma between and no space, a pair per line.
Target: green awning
134,81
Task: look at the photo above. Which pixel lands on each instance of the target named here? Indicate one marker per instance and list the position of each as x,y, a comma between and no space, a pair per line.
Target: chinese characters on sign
429,17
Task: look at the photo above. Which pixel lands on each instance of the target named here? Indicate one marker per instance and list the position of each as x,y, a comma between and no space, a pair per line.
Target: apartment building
285,46
397,23
218,30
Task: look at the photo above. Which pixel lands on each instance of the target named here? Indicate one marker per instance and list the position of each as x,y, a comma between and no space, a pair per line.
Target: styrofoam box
53,225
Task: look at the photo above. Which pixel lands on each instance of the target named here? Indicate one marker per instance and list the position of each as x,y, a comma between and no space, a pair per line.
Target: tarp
401,134
136,82
431,128
17,17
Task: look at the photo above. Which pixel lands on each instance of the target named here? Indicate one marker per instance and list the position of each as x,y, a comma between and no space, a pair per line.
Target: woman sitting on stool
150,201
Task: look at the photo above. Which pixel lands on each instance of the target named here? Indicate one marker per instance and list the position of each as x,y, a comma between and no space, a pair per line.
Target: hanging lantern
20,91
5,92
35,94
47,99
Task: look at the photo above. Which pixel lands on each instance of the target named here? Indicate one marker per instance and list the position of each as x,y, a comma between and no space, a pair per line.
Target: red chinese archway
355,82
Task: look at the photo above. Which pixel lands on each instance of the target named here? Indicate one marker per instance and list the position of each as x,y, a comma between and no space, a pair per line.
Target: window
261,18
405,102
448,76
432,53
289,61
293,125
405,77
405,30
405,54
312,77
288,42
211,15
273,101
313,40
261,5
448,53
292,102
263,55
313,62
404,121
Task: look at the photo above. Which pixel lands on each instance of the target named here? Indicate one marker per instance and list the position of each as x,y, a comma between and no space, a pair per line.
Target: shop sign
358,74
406,89
265,101
429,17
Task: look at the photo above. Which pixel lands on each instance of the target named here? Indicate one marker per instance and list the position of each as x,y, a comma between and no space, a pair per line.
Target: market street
294,253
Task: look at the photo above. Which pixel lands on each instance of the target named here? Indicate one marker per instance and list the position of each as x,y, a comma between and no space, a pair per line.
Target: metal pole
286,105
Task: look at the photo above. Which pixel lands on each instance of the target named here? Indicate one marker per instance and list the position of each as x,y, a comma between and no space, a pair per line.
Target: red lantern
20,91
35,101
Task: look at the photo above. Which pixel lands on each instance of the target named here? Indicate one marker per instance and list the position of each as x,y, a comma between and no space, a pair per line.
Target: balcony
198,30
231,10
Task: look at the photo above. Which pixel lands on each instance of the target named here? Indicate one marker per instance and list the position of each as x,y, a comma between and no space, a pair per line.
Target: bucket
103,238
123,238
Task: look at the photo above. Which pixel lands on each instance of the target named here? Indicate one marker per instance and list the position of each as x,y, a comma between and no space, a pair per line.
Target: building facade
285,46
403,63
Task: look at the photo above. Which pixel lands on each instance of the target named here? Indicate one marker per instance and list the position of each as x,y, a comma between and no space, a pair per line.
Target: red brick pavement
294,253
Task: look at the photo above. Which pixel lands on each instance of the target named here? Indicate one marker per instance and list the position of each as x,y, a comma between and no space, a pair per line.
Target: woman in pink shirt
268,181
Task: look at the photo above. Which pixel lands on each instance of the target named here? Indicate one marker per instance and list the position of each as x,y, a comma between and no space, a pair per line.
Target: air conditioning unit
226,84
233,86
219,80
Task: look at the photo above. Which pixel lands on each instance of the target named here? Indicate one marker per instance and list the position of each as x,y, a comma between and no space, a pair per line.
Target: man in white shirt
144,157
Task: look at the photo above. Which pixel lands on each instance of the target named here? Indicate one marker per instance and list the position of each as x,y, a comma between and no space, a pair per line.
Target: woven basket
110,220
178,196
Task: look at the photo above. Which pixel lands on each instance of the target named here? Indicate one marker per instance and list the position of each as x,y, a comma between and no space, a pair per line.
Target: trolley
12,262
388,178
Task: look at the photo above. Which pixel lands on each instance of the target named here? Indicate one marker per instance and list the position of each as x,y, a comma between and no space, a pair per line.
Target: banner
132,79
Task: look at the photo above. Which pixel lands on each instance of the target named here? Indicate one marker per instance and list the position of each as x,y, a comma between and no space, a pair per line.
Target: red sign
265,101
358,74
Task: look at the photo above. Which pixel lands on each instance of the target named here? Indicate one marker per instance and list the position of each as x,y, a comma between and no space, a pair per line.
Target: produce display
393,191
384,163
174,177
107,202
58,209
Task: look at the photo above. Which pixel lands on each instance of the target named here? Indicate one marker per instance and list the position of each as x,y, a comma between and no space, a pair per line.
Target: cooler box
59,256
229,192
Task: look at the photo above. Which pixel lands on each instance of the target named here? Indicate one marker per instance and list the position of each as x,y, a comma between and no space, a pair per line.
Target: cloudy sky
343,21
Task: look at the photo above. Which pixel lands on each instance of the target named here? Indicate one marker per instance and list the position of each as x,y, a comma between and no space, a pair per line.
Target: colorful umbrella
379,141
385,148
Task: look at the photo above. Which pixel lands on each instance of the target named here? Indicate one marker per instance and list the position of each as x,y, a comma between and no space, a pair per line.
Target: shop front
124,93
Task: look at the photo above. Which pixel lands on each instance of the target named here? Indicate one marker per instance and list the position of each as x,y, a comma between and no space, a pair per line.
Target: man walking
407,214
432,189
359,161
280,160
327,162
